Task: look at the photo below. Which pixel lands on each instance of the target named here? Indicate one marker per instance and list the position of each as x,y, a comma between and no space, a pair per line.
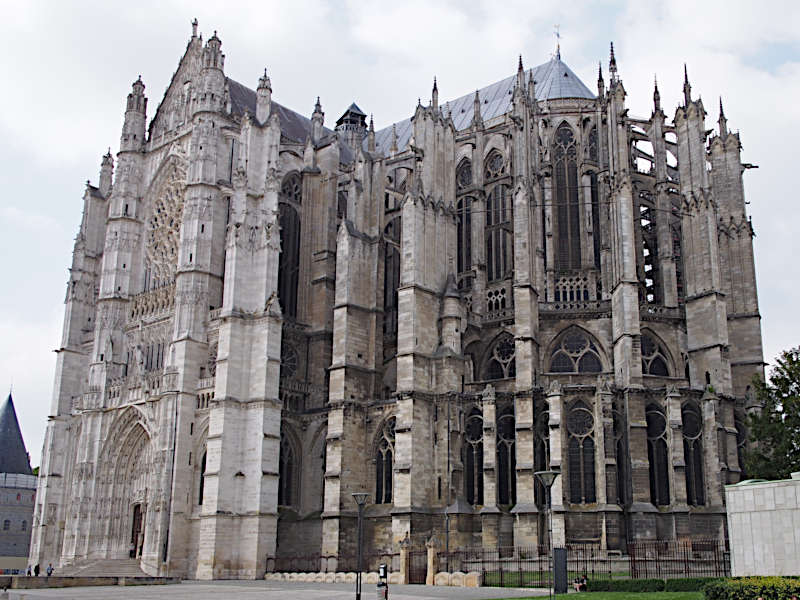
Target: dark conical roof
13,456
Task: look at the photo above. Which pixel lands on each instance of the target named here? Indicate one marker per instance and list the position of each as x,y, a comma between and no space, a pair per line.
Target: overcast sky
68,67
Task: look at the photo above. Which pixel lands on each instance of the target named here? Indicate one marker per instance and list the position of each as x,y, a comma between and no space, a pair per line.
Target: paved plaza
265,590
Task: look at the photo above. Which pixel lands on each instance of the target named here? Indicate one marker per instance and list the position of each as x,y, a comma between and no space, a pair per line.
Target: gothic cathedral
265,315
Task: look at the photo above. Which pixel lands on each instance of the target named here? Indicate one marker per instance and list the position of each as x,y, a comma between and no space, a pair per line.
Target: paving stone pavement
265,590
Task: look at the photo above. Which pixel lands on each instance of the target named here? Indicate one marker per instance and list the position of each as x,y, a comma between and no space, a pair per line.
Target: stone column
490,514
433,561
557,450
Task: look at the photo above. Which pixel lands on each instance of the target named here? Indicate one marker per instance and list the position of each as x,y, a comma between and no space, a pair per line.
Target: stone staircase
125,567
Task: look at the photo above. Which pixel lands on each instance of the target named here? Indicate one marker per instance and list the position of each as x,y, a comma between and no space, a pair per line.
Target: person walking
49,569
36,570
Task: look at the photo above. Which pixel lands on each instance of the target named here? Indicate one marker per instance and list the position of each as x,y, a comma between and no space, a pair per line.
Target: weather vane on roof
557,34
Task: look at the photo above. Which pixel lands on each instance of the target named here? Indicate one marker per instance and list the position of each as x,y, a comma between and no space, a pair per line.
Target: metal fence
342,563
530,566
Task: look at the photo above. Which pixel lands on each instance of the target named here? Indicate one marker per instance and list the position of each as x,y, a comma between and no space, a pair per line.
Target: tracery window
289,360
693,453
580,451
464,175
654,357
567,212
289,261
506,459
384,457
502,363
595,196
391,275
494,166
286,471
499,247
621,447
657,455
464,237
575,353
473,457
593,153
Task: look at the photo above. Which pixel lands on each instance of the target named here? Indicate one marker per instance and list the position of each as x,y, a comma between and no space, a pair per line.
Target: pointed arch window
567,214
464,237
202,489
595,196
620,430
657,455
541,456
463,175
576,352
499,246
593,153
693,453
654,357
384,458
580,427
391,275
495,166
506,459
286,472
473,457
289,261
502,360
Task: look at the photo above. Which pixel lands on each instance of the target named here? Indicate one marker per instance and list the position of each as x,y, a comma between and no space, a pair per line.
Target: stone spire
434,96
656,96
520,74
263,98
13,456
601,85
371,131
133,128
317,121
687,88
612,64
194,28
723,122
106,173
393,147
477,120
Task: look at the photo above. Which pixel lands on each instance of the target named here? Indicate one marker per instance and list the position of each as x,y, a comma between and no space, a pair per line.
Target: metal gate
417,566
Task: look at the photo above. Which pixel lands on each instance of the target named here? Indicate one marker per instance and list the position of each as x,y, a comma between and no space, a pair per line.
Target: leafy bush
626,585
748,588
688,584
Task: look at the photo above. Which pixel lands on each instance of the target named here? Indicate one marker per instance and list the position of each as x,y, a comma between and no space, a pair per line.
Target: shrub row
748,588
687,584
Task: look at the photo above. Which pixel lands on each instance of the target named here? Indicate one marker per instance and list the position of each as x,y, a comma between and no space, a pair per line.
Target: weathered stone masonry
264,316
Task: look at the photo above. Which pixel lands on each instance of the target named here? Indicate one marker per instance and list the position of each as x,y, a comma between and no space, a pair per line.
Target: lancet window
693,453
595,198
202,487
473,457
541,456
620,430
289,261
391,276
286,471
464,233
506,459
384,459
657,455
576,352
592,146
566,209
580,428
654,357
502,363
499,246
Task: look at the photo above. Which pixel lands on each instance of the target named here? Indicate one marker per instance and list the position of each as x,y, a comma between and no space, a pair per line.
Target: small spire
656,95
435,87
194,28
687,88
519,66
371,124
723,122
435,96
557,33
476,110
601,85
520,74
264,82
612,63
393,147
371,135
318,106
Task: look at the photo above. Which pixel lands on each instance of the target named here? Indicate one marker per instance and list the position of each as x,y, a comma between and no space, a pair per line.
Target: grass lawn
633,596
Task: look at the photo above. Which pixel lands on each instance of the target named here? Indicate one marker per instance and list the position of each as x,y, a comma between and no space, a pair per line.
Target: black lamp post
547,478
361,501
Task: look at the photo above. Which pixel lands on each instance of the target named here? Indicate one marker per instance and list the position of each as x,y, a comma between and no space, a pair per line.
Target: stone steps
103,568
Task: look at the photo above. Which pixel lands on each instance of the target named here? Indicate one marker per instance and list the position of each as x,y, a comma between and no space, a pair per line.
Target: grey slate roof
13,456
553,79
293,125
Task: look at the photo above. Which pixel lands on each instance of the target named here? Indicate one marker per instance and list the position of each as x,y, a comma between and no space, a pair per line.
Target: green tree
774,452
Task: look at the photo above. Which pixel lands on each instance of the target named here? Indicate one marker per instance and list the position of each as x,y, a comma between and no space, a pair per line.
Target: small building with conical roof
17,493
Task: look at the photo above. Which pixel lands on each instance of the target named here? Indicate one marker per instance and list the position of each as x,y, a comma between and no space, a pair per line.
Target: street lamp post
361,501
547,478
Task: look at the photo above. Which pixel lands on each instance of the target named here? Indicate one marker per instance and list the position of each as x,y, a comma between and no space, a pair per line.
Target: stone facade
264,316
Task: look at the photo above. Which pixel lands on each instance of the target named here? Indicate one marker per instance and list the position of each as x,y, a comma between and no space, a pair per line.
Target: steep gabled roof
13,456
553,80
293,125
